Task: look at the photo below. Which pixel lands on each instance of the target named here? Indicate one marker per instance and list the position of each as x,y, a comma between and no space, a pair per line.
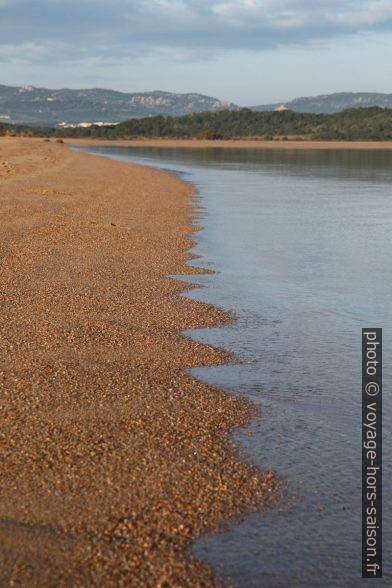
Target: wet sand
236,143
113,460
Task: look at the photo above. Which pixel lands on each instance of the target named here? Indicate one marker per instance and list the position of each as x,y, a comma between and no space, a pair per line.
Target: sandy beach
113,460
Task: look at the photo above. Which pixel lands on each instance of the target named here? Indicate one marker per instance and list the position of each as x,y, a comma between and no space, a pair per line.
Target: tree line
374,124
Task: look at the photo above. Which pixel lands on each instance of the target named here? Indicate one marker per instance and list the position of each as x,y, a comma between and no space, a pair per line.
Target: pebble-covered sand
112,459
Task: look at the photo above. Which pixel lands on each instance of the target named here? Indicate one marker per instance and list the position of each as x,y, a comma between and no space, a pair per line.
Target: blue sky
247,51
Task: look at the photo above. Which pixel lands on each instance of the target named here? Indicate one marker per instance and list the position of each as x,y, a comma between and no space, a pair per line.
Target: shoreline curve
114,459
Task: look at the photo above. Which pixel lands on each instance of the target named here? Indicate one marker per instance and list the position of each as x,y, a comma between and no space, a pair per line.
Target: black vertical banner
371,453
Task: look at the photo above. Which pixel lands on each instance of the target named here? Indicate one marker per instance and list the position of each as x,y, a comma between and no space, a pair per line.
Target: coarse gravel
112,459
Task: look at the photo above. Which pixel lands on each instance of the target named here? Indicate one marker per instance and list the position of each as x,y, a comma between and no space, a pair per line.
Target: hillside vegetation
330,103
373,124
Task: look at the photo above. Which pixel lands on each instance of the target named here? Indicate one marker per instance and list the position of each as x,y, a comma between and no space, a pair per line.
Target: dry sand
112,460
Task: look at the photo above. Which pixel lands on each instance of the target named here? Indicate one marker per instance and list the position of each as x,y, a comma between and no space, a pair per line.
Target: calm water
302,245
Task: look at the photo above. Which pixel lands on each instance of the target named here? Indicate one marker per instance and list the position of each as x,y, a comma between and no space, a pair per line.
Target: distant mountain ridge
31,105
331,103
43,106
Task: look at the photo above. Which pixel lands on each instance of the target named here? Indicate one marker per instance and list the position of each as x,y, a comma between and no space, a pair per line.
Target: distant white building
281,108
85,125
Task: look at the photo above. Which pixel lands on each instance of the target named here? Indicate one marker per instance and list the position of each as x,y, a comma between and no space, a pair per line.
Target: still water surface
302,245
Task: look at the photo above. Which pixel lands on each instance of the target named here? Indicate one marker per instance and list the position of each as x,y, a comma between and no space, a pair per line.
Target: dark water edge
301,242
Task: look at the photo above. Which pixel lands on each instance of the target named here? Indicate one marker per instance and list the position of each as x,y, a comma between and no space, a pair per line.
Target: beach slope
113,460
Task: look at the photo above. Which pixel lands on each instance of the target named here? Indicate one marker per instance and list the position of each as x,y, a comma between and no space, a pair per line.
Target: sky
246,51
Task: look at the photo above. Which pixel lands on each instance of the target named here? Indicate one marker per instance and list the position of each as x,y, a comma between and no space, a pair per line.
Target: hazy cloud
119,29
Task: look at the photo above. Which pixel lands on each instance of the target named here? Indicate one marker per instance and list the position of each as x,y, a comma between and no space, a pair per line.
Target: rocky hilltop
331,103
33,105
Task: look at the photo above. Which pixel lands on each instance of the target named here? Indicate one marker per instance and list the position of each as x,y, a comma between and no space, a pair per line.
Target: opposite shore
114,459
232,143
